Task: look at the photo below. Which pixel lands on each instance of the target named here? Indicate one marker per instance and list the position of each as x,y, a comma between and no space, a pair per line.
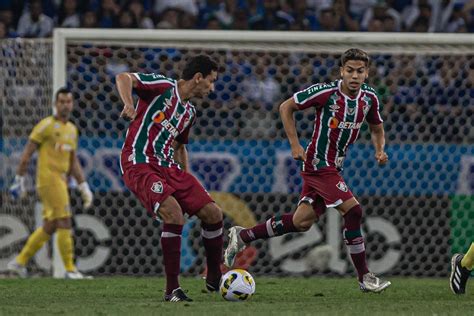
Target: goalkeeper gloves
86,194
18,188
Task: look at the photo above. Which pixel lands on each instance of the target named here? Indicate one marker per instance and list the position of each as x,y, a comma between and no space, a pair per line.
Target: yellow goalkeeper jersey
57,141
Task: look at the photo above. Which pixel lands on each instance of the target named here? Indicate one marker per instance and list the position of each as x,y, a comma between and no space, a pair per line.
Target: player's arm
125,83
378,139
78,174
181,155
287,110
18,187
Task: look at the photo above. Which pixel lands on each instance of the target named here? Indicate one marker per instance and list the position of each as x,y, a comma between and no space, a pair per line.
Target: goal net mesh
418,209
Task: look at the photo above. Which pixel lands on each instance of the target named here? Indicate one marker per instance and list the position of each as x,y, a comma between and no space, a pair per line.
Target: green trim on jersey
306,94
153,77
345,134
322,147
164,134
142,137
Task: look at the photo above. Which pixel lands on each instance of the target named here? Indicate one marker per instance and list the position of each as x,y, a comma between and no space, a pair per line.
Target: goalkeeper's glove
18,188
86,194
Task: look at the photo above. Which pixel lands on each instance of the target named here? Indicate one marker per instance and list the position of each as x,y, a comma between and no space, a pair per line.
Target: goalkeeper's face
354,73
64,103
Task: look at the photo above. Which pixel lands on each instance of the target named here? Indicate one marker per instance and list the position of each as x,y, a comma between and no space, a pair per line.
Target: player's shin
213,241
354,241
66,248
275,226
34,243
171,246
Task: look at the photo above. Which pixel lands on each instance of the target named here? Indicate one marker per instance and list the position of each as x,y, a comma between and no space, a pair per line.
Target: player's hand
128,112
86,194
18,188
381,157
298,153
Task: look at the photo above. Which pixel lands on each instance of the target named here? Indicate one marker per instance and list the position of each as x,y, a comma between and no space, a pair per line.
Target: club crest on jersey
342,186
157,187
131,157
177,115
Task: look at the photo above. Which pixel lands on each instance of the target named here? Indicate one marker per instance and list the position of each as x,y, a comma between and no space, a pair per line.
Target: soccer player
461,268
154,163
341,107
55,138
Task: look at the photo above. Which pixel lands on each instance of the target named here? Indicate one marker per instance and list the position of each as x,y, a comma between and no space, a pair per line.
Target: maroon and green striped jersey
161,118
337,122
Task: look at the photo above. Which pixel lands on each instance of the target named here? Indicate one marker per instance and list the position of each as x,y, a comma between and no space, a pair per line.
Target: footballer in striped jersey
340,108
154,162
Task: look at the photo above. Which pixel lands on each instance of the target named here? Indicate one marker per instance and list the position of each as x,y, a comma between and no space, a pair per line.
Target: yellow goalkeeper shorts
55,200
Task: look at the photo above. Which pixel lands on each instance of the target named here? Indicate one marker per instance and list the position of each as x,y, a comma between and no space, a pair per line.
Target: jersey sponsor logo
334,123
170,128
334,107
159,117
342,186
157,187
62,147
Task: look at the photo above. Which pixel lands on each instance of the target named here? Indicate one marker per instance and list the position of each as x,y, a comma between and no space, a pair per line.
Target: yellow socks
65,245
468,260
33,244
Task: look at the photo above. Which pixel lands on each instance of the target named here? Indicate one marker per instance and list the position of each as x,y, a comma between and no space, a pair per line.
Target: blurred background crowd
37,18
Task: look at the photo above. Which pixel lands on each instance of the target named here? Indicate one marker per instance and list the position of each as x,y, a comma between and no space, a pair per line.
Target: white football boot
371,283
236,245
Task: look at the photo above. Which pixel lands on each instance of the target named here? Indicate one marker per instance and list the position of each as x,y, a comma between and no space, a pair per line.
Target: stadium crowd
37,18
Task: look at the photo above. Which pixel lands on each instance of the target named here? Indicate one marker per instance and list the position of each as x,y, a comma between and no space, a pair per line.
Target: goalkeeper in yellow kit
56,139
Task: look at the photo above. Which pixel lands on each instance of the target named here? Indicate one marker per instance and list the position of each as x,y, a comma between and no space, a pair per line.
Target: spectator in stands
69,14
6,17
217,11
3,30
380,12
189,7
169,19
305,19
89,20
108,13
344,18
126,20
326,20
136,8
34,23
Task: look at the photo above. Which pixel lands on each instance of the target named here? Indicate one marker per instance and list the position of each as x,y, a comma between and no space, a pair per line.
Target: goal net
419,208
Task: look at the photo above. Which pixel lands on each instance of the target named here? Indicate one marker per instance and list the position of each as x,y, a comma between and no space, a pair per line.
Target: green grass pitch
274,296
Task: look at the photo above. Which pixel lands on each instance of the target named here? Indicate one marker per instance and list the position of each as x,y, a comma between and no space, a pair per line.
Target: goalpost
418,209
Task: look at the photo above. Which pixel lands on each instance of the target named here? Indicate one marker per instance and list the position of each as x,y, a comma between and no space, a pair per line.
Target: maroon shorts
324,188
152,184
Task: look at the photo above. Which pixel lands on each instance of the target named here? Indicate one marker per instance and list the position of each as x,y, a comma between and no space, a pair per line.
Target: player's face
354,73
205,85
64,105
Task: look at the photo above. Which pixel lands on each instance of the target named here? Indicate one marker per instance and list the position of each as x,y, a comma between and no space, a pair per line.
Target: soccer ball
237,285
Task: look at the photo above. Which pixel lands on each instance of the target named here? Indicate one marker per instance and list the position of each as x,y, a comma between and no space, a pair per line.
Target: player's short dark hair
62,90
199,63
354,54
